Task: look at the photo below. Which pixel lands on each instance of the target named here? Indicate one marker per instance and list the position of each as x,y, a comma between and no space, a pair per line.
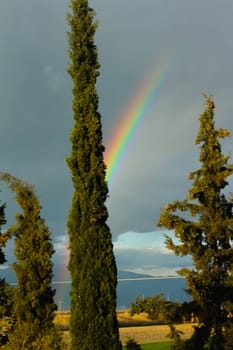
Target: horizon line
119,279
130,279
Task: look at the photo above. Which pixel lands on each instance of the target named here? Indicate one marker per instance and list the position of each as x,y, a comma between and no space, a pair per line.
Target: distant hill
128,274
61,273
128,287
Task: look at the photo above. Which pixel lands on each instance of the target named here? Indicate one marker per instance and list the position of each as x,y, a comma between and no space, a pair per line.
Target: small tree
92,263
33,300
205,232
158,308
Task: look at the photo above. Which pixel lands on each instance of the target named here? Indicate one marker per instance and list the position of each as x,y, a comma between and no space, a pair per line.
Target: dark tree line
161,310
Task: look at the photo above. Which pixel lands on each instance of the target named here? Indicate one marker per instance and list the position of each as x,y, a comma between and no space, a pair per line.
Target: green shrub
131,344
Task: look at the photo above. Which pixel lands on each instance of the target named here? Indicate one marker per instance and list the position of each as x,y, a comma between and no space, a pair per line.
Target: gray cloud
143,253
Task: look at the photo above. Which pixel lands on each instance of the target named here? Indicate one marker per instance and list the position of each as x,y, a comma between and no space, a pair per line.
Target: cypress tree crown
92,264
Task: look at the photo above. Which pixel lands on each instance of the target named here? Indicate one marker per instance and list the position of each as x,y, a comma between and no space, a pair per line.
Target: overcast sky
134,39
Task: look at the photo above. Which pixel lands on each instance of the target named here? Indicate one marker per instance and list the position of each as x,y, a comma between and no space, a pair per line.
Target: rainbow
133,114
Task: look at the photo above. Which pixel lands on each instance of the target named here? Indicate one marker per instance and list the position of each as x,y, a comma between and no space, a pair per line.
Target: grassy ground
138,327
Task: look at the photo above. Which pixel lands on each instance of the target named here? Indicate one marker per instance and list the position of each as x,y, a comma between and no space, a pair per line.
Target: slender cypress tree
92,264
205,232
33,300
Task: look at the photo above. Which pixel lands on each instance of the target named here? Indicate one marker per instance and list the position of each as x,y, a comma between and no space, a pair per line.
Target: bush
131,344
22,338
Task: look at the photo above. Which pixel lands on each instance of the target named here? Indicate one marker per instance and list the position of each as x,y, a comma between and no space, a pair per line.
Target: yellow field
150,334
62,320
143,330
137,327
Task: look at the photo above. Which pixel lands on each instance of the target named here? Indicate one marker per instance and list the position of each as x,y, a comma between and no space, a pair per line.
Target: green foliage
6,292
6,311
228,335
158,308
199,338
33,298
202,222
92,264
23,338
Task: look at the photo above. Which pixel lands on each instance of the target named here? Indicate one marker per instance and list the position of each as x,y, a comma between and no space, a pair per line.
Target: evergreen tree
34,307
92,264
203,224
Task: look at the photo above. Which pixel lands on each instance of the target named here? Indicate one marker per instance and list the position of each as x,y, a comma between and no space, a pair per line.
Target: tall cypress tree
34,307
205,231
92,264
